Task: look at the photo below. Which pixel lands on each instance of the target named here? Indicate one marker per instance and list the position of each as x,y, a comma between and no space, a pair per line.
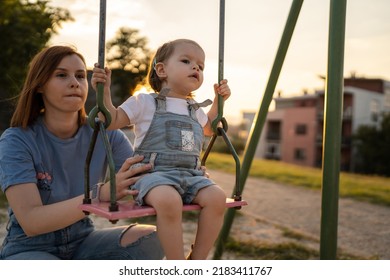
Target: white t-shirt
140,110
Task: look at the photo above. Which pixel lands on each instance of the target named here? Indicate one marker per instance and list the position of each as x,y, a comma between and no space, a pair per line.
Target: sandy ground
363,228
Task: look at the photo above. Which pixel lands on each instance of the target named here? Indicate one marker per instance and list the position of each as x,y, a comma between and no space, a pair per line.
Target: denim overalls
172,145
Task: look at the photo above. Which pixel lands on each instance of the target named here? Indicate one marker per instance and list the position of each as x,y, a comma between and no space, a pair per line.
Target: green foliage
128,56
221,147
124,83
373,148
128,51
3,200
25,28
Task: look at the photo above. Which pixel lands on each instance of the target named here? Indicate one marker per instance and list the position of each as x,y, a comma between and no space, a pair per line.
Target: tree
128,56
25,28
373,148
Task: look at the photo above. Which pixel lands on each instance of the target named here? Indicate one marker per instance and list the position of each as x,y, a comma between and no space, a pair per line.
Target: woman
42,157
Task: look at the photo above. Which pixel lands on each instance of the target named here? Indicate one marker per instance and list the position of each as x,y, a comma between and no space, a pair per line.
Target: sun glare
142,89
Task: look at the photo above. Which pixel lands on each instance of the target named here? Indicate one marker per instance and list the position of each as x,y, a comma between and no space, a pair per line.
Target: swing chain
93,116
99,126
220,126
221,131
216,128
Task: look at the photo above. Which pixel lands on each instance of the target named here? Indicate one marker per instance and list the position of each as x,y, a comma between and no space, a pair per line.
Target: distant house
293,131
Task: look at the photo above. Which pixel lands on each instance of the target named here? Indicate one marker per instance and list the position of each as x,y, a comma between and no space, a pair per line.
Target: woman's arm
36,218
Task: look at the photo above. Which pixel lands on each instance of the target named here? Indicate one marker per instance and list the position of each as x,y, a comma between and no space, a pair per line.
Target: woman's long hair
30,103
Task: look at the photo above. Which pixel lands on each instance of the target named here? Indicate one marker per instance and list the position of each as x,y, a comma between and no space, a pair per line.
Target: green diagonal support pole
332,130
260,118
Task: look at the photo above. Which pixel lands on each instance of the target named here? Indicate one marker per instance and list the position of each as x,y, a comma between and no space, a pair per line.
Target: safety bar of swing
260,118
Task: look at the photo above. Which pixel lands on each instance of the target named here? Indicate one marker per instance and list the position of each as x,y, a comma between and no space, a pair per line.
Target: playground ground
363,228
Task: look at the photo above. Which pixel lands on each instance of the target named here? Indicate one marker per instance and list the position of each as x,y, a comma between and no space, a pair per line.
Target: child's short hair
163,53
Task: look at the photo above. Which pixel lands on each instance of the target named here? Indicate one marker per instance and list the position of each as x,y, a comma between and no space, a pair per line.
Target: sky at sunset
253,29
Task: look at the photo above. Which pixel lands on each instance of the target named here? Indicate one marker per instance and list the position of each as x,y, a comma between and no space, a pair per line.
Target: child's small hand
223,89
101,76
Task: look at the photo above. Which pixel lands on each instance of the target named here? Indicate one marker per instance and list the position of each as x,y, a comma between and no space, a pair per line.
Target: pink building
293,130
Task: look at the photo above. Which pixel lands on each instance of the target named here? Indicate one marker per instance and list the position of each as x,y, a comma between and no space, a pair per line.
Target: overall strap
193,106
160,98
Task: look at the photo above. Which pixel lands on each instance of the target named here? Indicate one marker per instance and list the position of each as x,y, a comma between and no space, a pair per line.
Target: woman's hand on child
125,177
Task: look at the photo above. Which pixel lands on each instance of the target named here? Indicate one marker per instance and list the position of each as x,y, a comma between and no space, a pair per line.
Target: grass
257,250
371,189
3,200
267,251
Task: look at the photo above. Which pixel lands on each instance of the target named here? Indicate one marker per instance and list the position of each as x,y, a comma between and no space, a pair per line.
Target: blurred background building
293,131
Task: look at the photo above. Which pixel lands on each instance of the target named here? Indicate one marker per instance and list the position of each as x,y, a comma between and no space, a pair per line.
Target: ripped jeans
79,241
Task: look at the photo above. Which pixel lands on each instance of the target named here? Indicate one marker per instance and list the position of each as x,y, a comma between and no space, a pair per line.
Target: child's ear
160,70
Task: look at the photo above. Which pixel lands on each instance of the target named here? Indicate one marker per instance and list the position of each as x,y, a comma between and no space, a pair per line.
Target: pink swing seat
129,209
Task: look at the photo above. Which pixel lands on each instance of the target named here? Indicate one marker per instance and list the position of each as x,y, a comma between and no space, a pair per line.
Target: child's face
184,69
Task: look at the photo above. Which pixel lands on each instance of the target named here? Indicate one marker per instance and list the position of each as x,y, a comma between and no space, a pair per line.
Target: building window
387,98
300,129
274,128
273,151
374,108
299,154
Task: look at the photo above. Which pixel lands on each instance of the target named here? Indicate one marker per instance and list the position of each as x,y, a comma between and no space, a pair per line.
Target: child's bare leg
168,204
212,200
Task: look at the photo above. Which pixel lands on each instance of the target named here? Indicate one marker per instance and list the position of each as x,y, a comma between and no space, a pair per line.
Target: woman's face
67,89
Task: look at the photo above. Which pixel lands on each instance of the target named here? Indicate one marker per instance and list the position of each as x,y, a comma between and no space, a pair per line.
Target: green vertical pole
251,146
332,130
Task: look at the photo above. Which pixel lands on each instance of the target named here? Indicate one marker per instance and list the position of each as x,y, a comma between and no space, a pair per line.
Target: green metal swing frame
332,125
115,210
